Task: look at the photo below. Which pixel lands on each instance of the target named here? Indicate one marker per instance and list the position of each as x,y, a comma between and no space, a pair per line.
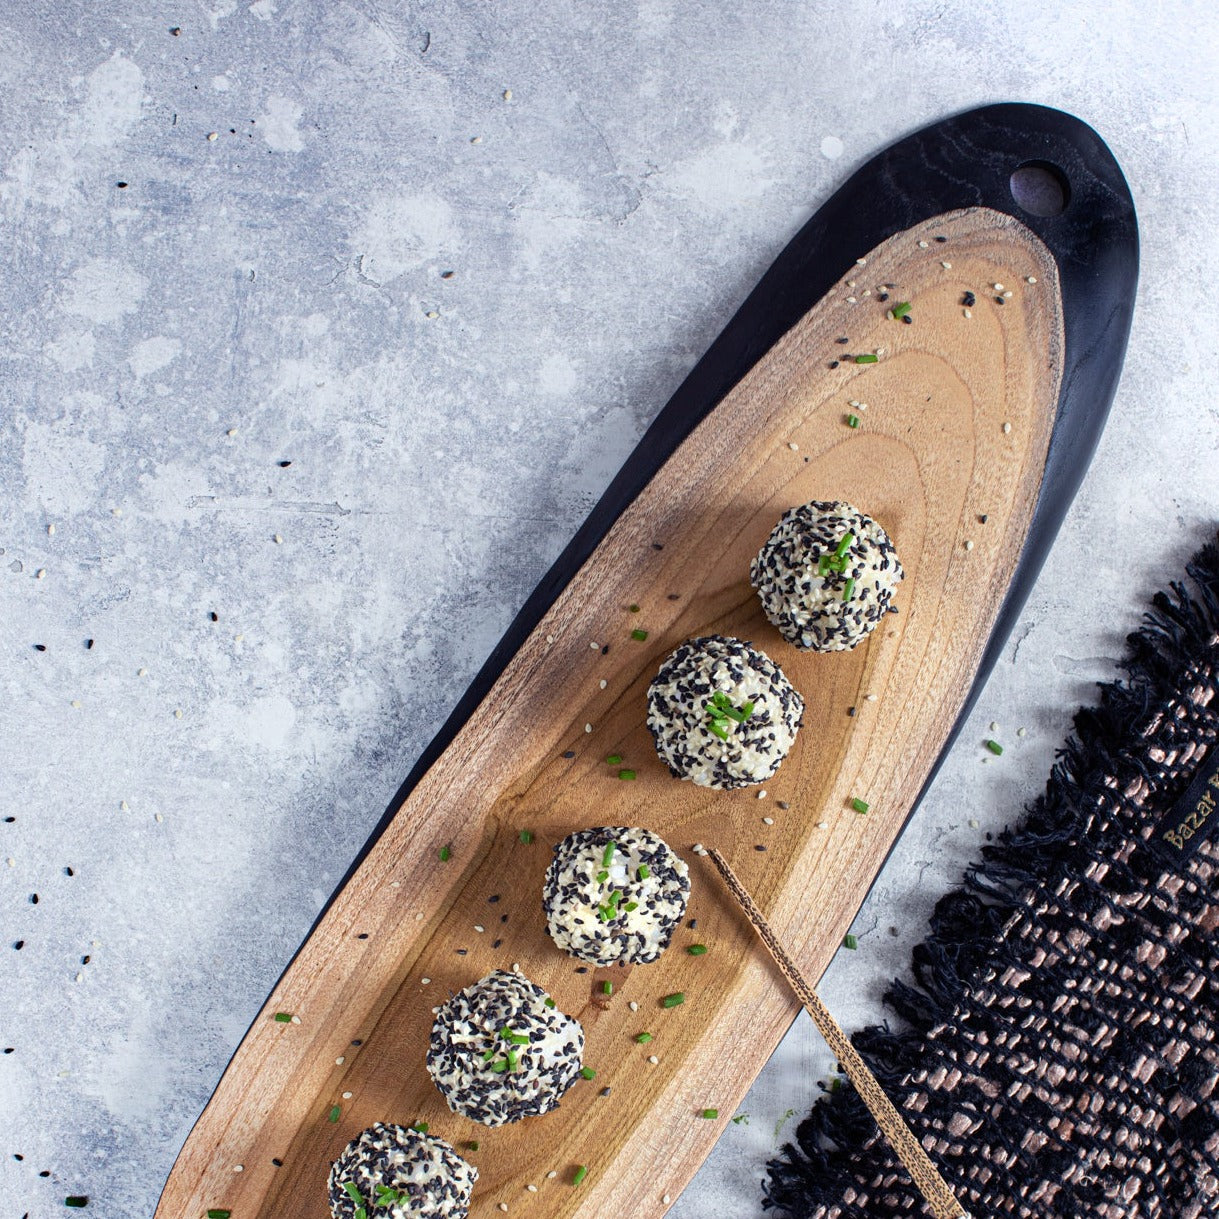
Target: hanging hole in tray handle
1040,188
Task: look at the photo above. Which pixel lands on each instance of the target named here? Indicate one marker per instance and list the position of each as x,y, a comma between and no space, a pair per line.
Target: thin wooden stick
901,1138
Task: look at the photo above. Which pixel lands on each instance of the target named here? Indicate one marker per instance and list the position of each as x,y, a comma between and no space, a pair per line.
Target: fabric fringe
965,928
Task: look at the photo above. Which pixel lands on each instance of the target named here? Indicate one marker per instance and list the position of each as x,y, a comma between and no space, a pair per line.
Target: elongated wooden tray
954,452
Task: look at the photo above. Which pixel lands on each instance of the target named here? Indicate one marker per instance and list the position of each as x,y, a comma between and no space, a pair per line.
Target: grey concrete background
606,181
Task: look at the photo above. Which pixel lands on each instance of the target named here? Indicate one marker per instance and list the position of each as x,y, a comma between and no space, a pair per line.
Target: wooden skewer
901,1138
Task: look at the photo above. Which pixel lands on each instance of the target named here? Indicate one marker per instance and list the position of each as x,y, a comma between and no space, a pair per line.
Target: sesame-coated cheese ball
722,713
500,1050
826,575
614,894
396,1173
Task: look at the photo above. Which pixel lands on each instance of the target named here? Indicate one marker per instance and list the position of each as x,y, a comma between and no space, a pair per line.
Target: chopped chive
848,588
607,855
852,421
352,1192
445,854
602,876
860,806
607,987
581,1173
633,608
549,1002
603,914
643,1038
512,1060
741,1118
490,1054
588,1073
901,309
674,1000
835,1084
710,1114
614,898
526,836
335,1111
994,747
866,358
518,1038
719,730
214,1213
844,545
500,1064
644,872
747,709
697,950
823,565
615,759
420,1127
849,941
626,775
283,1017
472,1145
639,635
631,906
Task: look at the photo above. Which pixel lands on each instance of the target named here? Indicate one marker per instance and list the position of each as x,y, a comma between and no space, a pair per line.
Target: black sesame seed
907,319
850,711
493,898
33,899
277,1163
882,296
581,969
357,1041
844,339
605,650
88,644
496,943
283,465
362,936
18,945
215,617
675,596
969,299
40,647
1000,301
503,918
833,364
658,546
68,872
982,519
941,240
757,846
461,952
569,753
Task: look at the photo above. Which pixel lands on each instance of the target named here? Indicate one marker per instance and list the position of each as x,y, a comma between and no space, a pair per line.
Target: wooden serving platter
961,418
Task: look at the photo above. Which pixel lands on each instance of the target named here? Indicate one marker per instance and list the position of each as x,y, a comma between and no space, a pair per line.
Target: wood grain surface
932,456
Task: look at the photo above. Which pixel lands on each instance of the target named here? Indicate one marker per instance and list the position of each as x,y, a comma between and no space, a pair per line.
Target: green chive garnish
626,775
472,1145
901,309
516,1038
602,876
420,1127
615,759
697,950
526,836
673,1000
719,730
644,871
607,987
633,608
445,854
994,747
607,855
352,1192
588,1073
639,635
631,906
643,1038
867,358
710,1114
860,806
614,898
844,545
215,1213
512,1060
852,421
581,1173
549,1002
741,1118
835,1084
489,1054
849,941
283,1017
335,1111
500,1064
848,588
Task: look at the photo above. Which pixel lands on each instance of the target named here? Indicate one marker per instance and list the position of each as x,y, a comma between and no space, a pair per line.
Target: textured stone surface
267,296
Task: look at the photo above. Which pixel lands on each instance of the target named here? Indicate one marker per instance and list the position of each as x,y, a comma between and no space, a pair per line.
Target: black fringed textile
1062,1056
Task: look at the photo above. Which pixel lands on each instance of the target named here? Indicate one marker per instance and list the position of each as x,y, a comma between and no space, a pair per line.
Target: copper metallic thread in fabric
901,1138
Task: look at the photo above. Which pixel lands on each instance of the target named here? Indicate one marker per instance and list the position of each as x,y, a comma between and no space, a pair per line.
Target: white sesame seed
77,703
588,727
698,846
762,794
435,1011
880,351
821,825
998,287
603,683
889,314
80,977
296,1020
1030,279
278,539
871,698
653,1059
795,448
124,805
633,1005
768,821
594,646
967,312
479,928
861,262
946,265
850,283
347,1095
968,544
40,574
550,1176
973,823
431,315
533,1189
666,1199
231,432
178,714
852,402
507,98
1007,293
477,139
158,817
922,245
338,1062
1022,732
116,512
425,981
516,967
1007,427
239,1168
12,863
213,136
994,725
50,530
550,639
503,1206
867,292
141,672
